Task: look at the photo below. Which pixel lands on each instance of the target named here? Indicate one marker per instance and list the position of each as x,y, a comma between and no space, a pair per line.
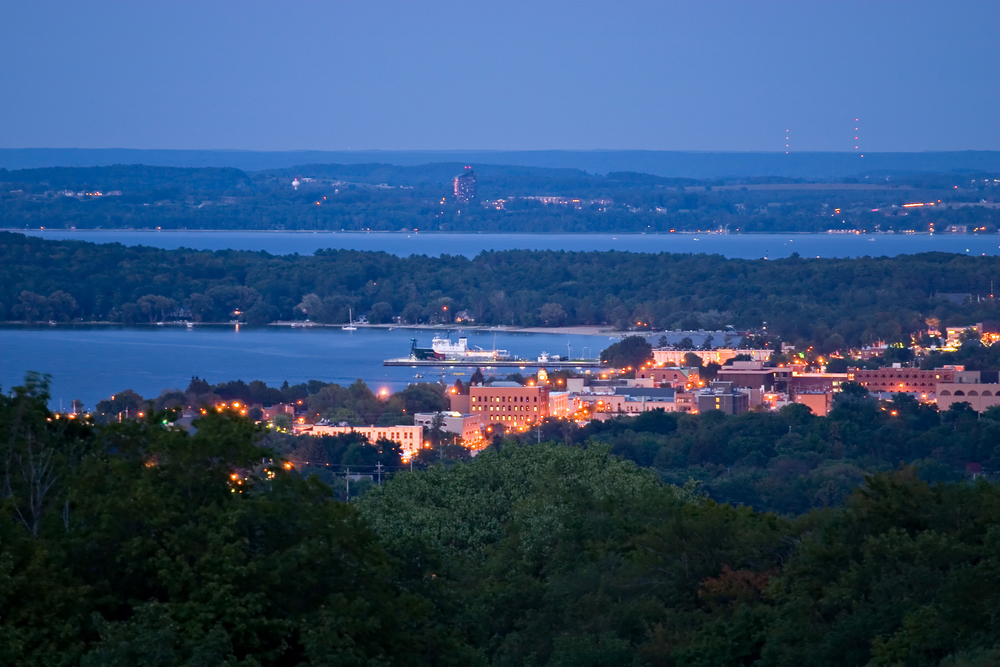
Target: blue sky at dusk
716,76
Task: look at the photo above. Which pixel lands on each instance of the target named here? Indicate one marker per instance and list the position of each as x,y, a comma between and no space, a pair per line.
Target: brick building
903,380
509,404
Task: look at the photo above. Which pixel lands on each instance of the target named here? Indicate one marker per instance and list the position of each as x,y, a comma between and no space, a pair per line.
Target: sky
703,76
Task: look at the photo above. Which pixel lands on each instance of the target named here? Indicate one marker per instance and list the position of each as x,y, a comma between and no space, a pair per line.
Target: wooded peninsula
827,303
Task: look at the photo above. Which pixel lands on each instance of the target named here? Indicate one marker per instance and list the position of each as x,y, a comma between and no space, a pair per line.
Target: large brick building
903,380
509,404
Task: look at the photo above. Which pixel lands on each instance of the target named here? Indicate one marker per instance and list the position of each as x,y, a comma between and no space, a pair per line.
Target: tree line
827,303
393,198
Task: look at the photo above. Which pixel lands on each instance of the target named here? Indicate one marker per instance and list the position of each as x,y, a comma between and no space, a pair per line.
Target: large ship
444,349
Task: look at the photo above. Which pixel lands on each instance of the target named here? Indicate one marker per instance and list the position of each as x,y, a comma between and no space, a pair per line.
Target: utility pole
378,469
347,478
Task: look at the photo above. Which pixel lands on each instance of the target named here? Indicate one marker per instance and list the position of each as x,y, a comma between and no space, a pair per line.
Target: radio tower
857,124
786,142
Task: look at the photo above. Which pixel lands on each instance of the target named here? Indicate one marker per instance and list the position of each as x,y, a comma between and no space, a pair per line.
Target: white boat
350,317
444,348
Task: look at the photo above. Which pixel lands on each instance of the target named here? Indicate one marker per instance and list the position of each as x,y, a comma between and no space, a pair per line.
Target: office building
509,404
464,186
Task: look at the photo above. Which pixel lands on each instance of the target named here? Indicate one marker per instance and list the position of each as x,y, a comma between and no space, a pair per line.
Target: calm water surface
92,362
745,246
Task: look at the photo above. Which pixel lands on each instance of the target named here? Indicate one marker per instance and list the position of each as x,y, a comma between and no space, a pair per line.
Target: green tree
630,352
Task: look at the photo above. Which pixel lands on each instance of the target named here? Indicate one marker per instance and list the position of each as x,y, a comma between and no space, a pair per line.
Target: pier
494,363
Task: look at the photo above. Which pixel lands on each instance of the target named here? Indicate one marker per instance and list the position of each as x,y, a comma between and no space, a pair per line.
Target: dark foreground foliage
136,543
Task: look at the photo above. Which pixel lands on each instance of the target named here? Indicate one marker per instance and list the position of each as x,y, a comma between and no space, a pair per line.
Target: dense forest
392,198
788,461
828,303
141,543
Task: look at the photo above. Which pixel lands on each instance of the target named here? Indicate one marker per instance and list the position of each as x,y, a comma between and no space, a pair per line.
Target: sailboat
350,317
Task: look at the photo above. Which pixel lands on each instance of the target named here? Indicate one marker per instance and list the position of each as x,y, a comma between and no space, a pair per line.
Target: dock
494,363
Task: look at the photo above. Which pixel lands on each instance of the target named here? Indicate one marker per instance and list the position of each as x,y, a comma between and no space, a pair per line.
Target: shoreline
592,330
149,230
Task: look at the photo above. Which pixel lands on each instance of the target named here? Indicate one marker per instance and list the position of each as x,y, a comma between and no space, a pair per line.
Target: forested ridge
140,543
825,302
387,197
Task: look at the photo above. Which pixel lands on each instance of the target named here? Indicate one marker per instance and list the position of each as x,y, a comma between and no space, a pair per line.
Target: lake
745,246
92,362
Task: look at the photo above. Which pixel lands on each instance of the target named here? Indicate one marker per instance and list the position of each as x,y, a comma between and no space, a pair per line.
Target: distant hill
676,164
130,176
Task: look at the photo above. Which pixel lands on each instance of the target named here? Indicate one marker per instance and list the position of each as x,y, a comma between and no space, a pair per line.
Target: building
629,401
980,389
673,377
561,404
268,414
752,375
953,335
722,396
460,402
464,186
800,383
820,402
719,355
903,380
468,427
410,438
509,404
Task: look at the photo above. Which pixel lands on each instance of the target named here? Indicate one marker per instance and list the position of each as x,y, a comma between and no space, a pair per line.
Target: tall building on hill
465,185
